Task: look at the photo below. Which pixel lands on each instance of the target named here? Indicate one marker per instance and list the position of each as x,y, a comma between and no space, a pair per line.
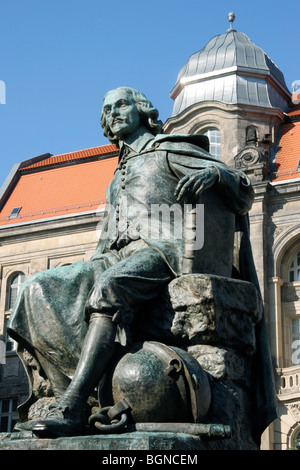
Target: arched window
294,269
214,136
14,287
295,340
251,135
296,440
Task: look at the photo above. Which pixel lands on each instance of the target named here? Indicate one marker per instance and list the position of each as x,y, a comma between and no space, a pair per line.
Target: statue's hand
191,186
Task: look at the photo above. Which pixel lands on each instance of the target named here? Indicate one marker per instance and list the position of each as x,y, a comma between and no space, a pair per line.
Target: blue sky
58,58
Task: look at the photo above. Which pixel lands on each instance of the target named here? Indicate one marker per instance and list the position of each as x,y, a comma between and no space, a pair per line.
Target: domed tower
232,91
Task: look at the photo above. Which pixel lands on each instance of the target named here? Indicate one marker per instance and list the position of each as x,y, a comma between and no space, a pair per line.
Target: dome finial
231,18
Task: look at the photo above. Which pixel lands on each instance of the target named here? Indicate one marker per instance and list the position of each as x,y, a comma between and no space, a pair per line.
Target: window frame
11,414
295,269
15,212
294,337
296,439
212,144
15,275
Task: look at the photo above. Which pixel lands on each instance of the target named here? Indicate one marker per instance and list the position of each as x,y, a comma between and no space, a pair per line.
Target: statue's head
126,109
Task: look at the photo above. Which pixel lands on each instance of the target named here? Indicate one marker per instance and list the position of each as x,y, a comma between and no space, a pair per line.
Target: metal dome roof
230,69
228,50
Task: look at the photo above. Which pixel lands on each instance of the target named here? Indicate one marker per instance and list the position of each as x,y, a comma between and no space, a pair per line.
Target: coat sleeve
232,184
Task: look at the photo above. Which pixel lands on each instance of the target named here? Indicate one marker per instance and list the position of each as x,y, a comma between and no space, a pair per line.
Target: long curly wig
148,115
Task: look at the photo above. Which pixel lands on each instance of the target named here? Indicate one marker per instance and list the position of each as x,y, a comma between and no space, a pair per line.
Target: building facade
51,206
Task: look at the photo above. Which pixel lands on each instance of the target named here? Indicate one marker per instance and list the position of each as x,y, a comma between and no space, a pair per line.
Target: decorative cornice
50,227
206,106
235,70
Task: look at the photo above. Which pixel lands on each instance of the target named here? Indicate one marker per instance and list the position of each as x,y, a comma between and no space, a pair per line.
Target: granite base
141,441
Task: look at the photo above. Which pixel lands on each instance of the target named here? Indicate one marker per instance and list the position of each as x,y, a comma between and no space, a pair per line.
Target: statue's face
121,113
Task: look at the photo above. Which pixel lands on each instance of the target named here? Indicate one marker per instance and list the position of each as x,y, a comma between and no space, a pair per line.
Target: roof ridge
83,150
86,153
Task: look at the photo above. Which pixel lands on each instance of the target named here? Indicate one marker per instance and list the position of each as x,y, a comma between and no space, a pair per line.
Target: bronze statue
132,262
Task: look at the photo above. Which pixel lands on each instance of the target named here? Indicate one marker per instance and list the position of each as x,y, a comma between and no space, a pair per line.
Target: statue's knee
32,284
104,287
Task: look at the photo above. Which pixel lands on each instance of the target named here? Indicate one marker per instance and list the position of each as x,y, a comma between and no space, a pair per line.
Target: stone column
275,320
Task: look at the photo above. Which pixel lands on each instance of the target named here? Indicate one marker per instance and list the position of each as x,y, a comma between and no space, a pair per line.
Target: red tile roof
62,184
295,110
288,152
73,156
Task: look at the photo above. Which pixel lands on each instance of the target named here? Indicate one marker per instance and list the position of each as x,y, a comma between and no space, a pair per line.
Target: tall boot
98,349
66,417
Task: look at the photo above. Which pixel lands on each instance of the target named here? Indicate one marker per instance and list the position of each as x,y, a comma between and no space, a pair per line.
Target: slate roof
233,70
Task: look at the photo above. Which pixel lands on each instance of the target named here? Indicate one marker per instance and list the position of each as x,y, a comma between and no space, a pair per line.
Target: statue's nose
114,110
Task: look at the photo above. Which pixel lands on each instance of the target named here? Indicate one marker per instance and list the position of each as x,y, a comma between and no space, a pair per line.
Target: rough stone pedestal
214,319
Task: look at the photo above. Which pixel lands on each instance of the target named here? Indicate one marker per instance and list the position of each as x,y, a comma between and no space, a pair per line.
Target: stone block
203,309
223,364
